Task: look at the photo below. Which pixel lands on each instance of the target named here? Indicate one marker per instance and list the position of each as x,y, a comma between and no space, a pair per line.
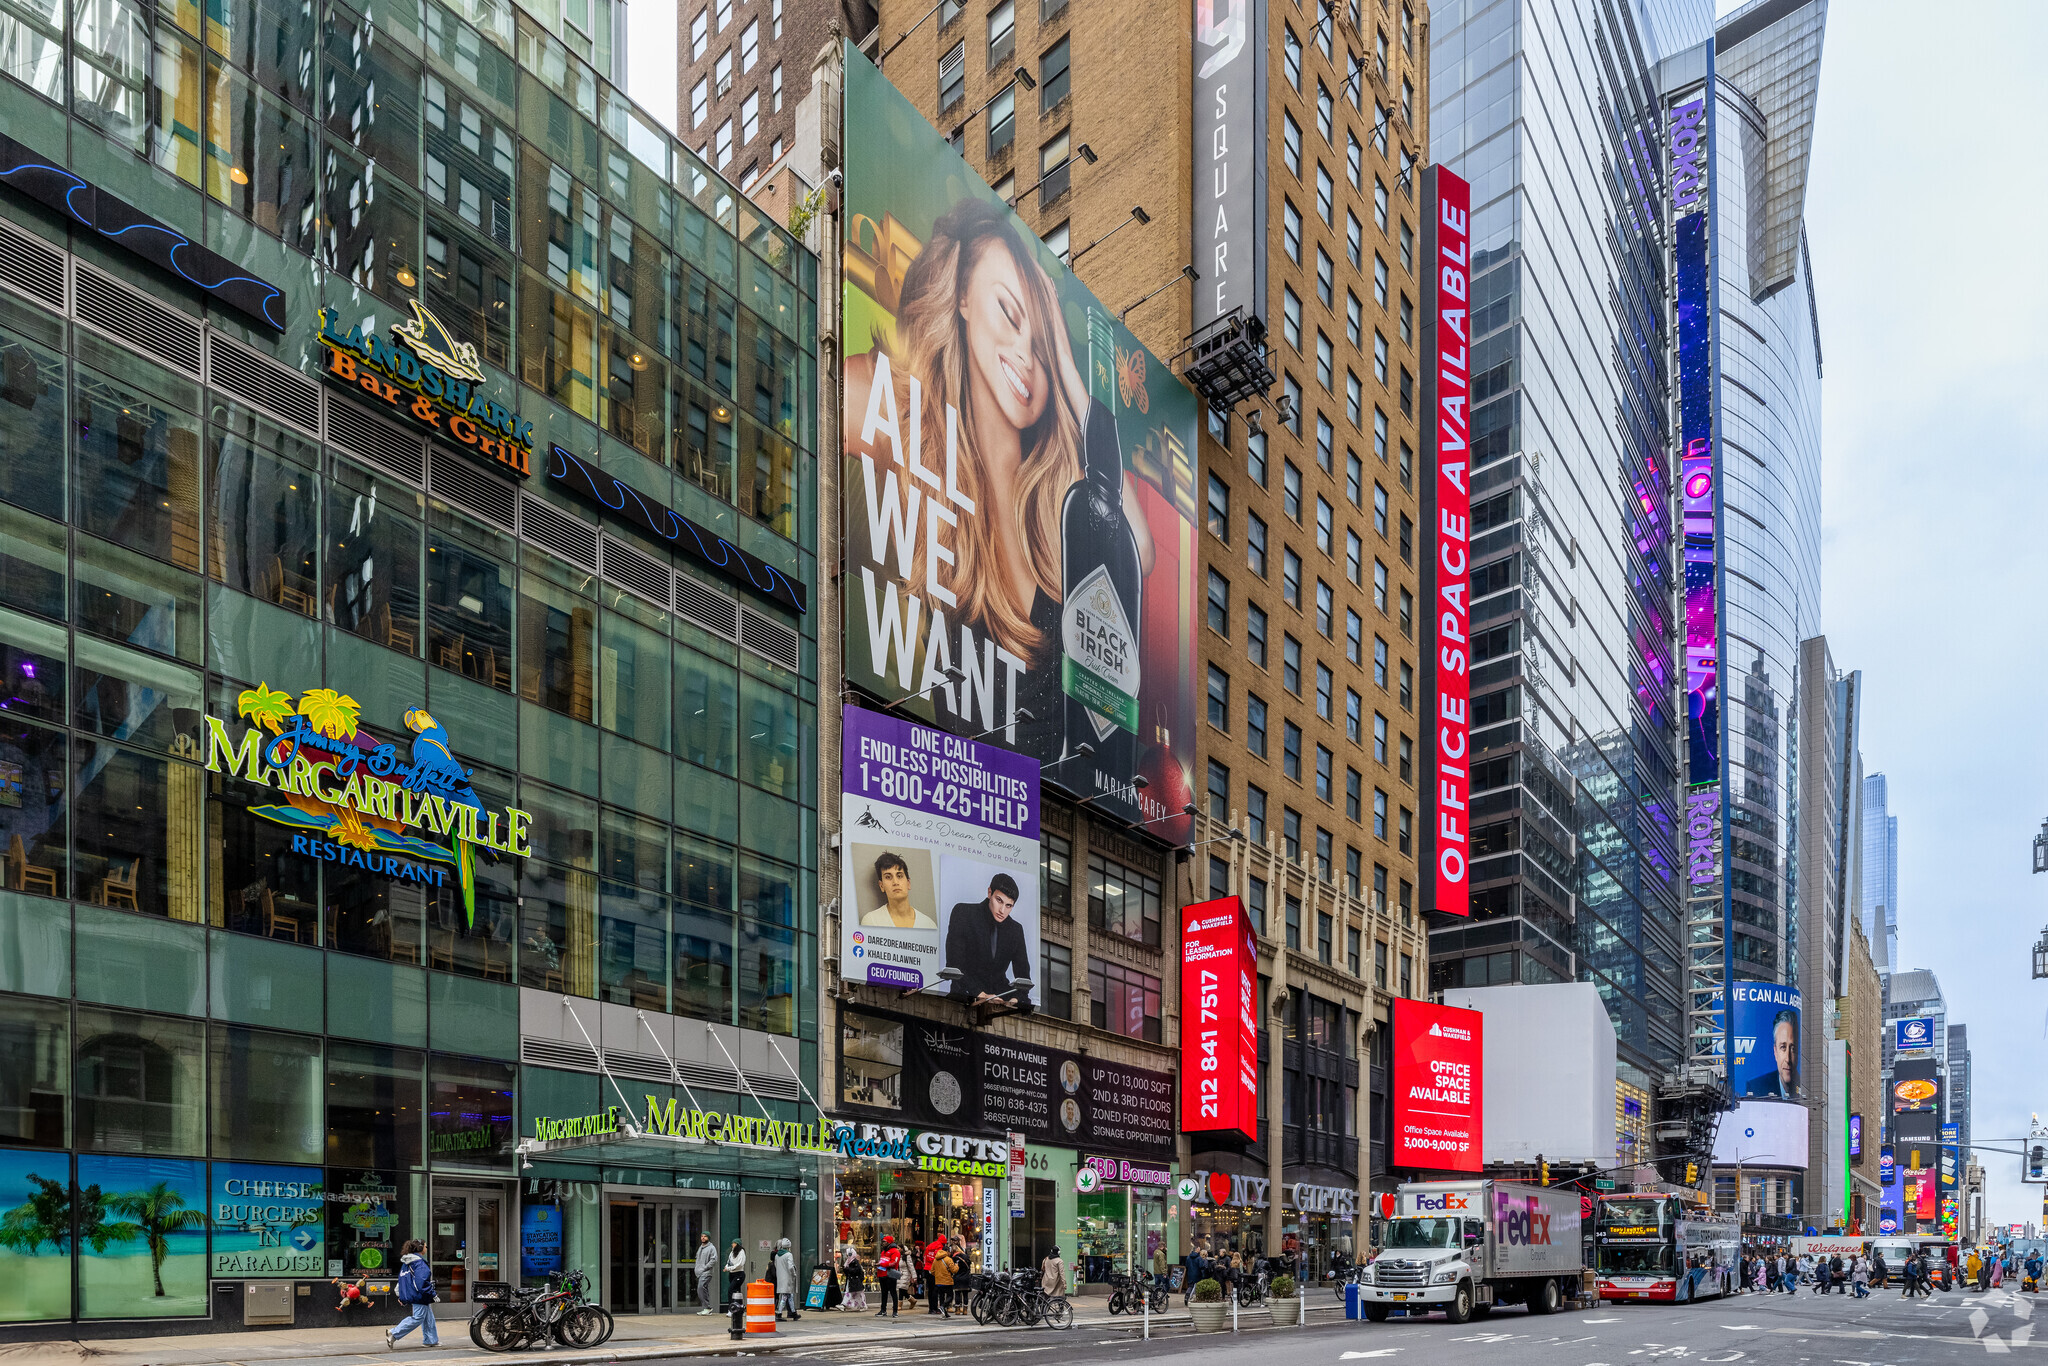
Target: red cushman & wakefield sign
1438,1056
1219,1044
1453,543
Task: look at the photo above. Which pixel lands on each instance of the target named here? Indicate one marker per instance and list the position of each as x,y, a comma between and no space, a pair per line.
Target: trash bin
1354,1301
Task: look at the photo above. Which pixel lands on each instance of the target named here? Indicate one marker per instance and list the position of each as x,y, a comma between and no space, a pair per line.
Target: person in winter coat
1052,1274
784,1263
707,1274
931,1250
944,1270
736,1273
888,1277
415,1289
853,1276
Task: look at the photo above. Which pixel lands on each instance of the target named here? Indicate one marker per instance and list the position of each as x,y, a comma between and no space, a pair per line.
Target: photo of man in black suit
986,942
1782,1081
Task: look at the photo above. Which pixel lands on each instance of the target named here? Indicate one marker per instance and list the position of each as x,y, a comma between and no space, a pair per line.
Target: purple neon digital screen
1696,474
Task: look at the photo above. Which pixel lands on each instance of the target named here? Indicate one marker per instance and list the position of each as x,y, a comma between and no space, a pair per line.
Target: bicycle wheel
1059,1314
1158,1300
579,1327
496,1330
1006,1312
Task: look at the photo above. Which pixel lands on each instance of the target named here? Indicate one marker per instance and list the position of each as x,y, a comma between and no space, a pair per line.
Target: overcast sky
1922,216
1923,211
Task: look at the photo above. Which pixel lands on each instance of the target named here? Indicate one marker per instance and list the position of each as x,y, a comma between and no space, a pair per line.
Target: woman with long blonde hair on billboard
979,326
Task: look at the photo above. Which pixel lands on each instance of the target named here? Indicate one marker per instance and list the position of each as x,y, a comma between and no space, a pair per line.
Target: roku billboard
1439,1063
1219,1036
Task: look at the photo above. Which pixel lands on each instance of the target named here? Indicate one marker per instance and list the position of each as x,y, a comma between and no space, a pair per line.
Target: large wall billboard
1219,1036
1019,482
1764,1030
1453,569
1439,1067
938,861
1763,1133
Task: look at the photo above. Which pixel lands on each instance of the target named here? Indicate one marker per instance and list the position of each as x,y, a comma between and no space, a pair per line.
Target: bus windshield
1638,1259
1422,1233
1646,1214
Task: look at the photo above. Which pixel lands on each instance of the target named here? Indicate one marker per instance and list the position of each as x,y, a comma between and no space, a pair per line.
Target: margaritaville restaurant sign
350,799
667,1119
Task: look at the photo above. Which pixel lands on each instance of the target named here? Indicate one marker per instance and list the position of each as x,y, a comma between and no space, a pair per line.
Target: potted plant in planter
1207,1305
1284,1298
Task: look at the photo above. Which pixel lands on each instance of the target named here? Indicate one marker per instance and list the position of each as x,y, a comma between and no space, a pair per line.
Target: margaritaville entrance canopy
650,1132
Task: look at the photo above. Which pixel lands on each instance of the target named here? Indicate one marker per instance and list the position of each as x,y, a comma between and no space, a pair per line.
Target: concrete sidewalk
638,1338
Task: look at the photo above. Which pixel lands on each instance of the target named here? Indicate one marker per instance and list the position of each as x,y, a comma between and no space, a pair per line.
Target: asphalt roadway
1749,1330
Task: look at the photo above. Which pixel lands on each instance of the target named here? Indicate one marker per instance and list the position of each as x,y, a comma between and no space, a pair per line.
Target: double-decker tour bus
1662,1247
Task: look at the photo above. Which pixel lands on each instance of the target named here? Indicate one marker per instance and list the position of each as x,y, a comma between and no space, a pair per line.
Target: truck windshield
1638,1259
1422,1233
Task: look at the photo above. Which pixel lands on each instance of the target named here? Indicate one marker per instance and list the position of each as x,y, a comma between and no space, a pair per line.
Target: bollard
1146,1296
760,1306
736,1308
1233,1307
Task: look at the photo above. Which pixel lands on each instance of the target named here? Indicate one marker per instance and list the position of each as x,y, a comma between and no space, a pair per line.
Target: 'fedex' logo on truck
1523,1224
1447,1201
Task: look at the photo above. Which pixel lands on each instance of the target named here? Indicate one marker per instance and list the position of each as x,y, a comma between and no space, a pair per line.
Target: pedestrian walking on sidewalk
889,1273
784,1262
931,1290
853,1276
707,1274
1052,1273
944,1268
736,1273
415,1289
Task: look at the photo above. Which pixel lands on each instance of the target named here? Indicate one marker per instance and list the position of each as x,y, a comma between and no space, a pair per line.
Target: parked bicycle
1008,1299
1130,1294
558,1311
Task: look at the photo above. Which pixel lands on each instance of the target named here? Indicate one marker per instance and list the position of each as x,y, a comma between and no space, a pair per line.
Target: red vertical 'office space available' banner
1453,540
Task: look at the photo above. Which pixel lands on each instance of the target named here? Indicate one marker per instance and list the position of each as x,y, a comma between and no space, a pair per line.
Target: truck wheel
1375,1313
1459,1310
1545,1300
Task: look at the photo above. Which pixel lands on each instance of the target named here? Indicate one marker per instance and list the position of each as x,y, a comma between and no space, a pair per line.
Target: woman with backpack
415,1289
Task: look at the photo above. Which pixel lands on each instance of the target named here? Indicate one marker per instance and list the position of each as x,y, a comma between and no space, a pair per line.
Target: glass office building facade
1550,113
1767,360
247,1033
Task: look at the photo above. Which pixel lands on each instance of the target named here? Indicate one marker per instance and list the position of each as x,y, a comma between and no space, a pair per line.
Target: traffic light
1692,1173
2037,1162
1542,1171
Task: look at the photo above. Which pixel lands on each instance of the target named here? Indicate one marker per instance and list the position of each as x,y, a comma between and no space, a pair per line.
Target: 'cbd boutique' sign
355,800
435,380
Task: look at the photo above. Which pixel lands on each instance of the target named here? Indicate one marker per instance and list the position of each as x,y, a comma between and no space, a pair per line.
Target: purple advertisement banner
922,769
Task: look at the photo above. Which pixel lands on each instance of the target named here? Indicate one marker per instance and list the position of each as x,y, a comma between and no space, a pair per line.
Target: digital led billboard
1764,1034
1219,1043
1438,1073
1763,1133
1452,569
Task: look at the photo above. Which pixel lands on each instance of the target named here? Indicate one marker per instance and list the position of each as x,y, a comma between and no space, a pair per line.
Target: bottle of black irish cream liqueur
1103,587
